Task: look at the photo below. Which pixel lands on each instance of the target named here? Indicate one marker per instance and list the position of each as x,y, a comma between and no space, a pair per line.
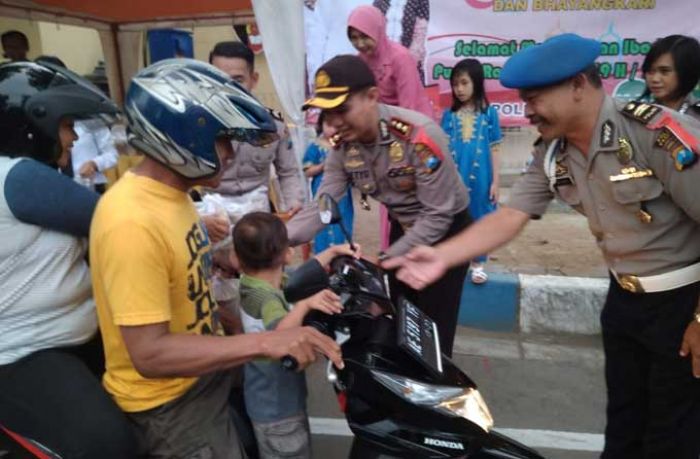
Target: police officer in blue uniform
632,170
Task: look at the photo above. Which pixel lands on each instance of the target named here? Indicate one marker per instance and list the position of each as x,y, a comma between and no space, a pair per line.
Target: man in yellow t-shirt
166,356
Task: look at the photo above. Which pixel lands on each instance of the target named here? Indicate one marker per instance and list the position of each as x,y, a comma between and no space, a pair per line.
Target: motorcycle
400,395
15,446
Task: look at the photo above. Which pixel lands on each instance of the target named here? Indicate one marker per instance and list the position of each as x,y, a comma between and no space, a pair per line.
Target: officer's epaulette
276,114
401,128
641,111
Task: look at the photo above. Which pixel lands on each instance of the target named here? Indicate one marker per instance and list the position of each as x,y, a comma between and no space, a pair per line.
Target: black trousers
441,299
55,397
653,399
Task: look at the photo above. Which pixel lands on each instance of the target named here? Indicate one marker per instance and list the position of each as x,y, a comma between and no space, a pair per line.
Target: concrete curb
534,304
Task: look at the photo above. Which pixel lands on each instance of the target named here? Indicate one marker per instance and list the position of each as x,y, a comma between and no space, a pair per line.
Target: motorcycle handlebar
289,363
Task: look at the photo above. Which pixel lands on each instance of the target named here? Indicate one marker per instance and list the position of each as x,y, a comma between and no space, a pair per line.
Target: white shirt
326,32
95,143
394,17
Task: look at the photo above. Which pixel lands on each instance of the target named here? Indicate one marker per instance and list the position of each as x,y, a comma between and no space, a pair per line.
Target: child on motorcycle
275,398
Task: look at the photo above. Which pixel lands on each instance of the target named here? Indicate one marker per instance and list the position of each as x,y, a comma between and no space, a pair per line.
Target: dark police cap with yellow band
550,62
337,79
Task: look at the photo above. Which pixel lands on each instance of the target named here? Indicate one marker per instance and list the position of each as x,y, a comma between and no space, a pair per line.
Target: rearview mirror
329,213
328,209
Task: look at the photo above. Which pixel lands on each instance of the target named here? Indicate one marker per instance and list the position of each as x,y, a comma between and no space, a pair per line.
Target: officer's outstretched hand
418,268
691,346
302,343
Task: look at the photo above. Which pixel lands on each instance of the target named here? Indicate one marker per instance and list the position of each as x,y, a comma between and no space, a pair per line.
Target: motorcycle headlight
464,402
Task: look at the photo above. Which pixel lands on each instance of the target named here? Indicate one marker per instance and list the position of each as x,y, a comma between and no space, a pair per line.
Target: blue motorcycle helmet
177,108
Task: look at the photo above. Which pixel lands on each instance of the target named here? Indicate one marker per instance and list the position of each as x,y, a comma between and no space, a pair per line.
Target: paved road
546,391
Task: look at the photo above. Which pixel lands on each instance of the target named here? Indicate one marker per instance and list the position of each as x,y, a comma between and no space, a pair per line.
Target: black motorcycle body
401,397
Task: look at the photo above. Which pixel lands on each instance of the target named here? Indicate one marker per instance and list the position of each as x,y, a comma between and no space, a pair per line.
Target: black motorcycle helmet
33,100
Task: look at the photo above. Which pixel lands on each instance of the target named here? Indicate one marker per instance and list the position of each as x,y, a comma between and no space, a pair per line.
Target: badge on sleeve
682,156
675,139
428,151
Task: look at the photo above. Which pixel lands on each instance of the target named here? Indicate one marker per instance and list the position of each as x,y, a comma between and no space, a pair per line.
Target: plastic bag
213,204
232,208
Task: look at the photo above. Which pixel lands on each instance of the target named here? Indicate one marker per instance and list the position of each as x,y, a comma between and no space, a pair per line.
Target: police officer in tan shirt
250,169
397,157
632,170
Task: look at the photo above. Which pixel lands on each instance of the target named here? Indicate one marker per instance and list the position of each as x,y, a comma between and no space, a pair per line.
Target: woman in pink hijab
393,66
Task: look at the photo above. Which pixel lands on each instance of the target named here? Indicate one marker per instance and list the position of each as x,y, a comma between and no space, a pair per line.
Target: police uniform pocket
261,159
402,178
637,190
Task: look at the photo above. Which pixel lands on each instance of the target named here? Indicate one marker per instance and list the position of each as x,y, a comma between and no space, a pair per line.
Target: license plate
418,335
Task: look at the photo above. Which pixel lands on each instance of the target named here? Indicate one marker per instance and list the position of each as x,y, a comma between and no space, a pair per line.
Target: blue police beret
550,62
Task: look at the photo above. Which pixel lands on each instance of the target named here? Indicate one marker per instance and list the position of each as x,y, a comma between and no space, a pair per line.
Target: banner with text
493,30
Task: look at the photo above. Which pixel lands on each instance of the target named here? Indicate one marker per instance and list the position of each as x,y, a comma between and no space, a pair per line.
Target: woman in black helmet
51,357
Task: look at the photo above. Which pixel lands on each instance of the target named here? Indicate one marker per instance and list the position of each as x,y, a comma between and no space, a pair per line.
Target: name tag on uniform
631,173
402,178
360,175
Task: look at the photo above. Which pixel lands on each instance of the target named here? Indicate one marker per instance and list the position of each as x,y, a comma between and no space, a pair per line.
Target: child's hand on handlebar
329,254
325,301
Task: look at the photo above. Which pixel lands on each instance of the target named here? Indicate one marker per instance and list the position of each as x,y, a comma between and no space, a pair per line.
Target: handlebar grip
289,363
